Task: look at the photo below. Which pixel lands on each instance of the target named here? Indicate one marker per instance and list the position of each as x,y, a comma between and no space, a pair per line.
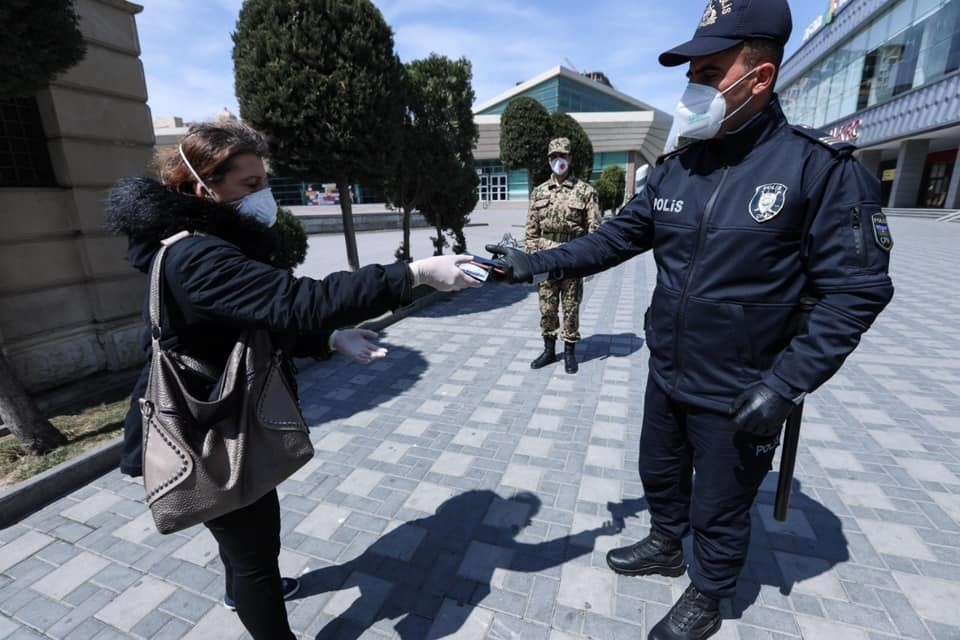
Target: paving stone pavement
457,493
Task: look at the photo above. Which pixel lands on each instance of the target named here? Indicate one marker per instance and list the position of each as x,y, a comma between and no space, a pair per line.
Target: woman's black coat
221,283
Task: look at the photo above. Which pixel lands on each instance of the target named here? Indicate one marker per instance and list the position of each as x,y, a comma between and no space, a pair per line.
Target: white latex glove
356,345
443,273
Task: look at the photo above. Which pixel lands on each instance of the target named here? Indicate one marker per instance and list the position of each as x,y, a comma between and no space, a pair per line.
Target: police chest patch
768,201
881,232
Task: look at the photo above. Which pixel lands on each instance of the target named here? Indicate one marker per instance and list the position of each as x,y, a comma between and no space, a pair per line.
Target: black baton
791,433
788,460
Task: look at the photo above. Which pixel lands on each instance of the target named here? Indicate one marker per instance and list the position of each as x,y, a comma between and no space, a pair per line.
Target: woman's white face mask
702,110
259,205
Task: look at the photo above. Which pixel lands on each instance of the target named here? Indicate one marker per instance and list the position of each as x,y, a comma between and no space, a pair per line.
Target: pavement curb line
35,493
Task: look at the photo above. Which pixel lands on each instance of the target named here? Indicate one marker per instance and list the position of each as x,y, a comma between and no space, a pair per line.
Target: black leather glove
760,410
516,263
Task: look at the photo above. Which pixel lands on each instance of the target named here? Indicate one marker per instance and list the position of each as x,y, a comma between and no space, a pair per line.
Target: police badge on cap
768,201
728,23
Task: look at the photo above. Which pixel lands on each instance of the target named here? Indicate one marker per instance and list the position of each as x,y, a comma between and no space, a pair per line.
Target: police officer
561,209
746,217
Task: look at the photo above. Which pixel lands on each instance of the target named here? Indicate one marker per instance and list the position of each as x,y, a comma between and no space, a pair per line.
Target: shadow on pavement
493,295
782,554
429,574
603,345
339,388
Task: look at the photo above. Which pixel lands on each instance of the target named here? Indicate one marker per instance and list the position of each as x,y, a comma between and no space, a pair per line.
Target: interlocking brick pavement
457,493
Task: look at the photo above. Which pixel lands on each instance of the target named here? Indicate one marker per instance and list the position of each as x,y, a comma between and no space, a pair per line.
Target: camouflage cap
559,145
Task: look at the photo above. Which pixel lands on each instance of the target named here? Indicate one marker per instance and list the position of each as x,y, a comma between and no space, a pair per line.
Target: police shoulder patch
836,145
881,231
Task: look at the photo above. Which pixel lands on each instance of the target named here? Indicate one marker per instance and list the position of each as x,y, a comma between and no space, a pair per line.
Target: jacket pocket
659,322
858,239
716,353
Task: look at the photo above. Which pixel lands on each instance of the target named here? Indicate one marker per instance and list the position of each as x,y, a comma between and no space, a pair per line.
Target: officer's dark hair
759,50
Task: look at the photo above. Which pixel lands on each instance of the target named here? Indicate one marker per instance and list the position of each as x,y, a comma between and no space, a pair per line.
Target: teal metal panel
546,93
518,184
567,96
574,97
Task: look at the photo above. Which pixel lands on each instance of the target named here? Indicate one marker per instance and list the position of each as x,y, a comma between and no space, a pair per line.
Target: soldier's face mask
559,165
702,110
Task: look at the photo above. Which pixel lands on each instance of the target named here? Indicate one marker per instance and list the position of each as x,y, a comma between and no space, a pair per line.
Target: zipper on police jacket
684,293
858,236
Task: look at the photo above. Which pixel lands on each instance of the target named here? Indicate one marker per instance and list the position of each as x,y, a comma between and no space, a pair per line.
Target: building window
936,180
912,43
24,158
494,183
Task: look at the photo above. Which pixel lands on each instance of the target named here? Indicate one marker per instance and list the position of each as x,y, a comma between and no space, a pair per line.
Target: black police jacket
222,282
741,227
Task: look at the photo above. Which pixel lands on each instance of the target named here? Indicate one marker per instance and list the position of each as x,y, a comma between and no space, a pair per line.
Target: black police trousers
699,473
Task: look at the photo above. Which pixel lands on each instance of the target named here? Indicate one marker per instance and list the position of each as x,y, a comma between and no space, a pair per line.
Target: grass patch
85,430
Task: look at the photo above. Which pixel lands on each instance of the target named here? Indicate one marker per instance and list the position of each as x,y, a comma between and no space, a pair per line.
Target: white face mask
559,166
258,205
702,110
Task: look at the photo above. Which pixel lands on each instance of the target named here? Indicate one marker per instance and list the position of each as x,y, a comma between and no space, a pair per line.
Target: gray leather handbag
206,456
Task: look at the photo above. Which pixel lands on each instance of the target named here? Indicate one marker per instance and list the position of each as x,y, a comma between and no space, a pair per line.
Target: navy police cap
727,23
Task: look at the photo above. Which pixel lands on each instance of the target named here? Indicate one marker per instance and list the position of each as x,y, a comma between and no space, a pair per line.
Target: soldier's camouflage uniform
560,212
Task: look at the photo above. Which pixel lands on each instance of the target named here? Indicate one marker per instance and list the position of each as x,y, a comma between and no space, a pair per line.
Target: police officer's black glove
516,263
760,410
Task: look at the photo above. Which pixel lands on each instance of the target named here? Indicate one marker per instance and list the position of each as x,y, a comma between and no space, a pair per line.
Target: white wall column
953,191
870,159
911,161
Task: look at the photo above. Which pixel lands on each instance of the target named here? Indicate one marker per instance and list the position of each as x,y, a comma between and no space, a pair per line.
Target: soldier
746,219
561,209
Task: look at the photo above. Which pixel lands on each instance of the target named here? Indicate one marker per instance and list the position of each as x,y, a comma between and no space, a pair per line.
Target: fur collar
147,212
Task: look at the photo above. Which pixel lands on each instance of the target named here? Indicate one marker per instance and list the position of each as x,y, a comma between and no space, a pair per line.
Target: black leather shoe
654,554
570,357
695,616
549,355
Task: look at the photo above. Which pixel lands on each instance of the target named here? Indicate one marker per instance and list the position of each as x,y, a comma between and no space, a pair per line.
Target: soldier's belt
562,236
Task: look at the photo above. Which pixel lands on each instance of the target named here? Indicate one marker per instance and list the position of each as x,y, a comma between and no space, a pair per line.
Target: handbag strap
156,273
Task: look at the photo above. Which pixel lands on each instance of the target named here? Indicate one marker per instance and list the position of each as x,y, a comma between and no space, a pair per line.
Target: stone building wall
69,302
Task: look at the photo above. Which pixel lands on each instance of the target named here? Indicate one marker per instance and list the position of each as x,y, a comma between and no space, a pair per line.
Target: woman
219,283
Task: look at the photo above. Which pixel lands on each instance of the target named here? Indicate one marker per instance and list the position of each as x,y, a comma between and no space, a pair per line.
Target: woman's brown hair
210,147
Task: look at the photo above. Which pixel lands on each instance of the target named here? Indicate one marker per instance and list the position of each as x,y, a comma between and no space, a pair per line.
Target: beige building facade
69,302
624,131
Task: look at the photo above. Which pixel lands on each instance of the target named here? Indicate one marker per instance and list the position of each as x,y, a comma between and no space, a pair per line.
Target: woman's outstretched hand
443,273
356,344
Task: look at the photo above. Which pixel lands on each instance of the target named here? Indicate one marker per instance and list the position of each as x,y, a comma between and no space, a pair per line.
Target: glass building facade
910,44
563,95
885,75
624,131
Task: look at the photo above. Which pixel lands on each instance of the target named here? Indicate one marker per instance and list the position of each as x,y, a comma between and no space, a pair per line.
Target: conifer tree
41,38
321,79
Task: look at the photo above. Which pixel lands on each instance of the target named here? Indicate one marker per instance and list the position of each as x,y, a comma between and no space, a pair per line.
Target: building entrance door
936,179
493,187
498,187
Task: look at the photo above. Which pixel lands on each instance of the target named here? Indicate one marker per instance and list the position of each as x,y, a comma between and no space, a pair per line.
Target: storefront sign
833,8
813,28
847,132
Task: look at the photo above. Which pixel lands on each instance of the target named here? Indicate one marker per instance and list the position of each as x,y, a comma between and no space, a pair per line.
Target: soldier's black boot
654,554
549,355
695,616
570,357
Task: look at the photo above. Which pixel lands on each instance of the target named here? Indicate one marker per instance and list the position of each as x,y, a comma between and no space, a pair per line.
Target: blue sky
186,44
